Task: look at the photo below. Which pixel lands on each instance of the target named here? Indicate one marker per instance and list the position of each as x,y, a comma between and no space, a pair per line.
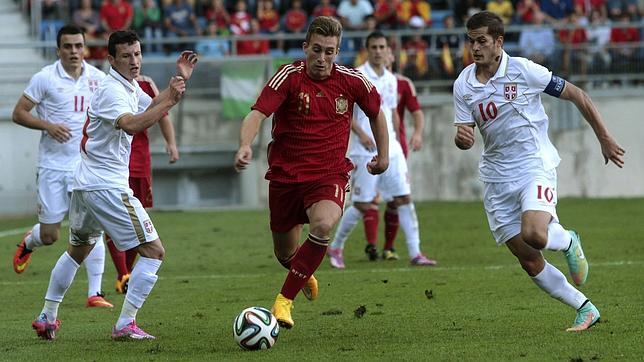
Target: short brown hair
325,26
485,18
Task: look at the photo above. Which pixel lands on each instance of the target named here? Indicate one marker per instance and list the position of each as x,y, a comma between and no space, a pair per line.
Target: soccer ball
255,328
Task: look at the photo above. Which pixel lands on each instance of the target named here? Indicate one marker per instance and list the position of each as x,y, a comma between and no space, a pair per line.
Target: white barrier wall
439,171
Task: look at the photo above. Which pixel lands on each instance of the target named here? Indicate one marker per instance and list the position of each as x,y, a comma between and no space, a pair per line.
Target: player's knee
153,250
322,229
534,237
49,237
532,264
402,200
392,206
363,206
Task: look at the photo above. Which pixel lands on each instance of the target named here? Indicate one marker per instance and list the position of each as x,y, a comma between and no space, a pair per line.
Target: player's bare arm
247,133
610,149
464,138
380,162
416,140
22,116
186,64
159,107
366,140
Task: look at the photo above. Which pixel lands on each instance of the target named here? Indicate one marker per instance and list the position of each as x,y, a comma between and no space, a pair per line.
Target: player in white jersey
101,197
501,95
393,184
61,93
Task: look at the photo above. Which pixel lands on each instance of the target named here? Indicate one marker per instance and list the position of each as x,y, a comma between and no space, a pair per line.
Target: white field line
21,231
409,269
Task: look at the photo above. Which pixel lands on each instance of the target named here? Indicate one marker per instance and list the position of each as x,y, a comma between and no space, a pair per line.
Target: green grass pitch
483,306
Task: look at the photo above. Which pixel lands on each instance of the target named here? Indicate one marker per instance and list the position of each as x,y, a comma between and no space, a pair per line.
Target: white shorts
54,188
117,212
505,202
391,183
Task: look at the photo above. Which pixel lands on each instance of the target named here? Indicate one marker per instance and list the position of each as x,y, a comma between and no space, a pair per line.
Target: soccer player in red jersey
312,105
141,181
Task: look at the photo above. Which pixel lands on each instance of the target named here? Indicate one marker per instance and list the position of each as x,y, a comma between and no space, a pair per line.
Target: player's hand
416,142
612,151
173,153
59,132
367,143
377,165
243,157
464,137
177,87
186,64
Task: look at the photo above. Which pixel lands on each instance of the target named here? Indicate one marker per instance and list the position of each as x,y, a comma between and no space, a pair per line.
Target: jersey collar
125,82
500,73
371,73
63,74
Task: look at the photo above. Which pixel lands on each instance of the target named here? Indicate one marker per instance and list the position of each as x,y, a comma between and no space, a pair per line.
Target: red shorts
142,187
288,202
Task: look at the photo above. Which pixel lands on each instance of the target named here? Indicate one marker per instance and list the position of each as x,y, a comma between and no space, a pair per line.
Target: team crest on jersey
149,228
510,91
341,105
93,85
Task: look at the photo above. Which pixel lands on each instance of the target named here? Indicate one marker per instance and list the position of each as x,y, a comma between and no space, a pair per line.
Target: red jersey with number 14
312,120
140,159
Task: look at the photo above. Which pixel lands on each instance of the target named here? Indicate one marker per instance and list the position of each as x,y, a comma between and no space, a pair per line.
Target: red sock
130,257
370,218
287,263
118,257
306,262
391,228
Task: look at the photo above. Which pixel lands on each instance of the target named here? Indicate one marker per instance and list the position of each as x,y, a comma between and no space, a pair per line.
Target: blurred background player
312,104
61,93
101,196
501,95
393,184
141,181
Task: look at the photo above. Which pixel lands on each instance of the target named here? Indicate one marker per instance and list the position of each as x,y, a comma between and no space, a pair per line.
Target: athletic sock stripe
318,240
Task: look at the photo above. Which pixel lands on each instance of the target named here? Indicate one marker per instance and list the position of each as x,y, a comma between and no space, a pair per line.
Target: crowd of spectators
597,36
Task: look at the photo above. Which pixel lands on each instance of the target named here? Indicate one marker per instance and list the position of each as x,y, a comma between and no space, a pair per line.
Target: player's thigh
286,206
540,194
53,195
395,181
364,186
503,209
324,202
122,217
83,226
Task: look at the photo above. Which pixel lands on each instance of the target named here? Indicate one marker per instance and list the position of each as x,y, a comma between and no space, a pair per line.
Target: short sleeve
368,100
537,76
144,100
112,105
37,89
275,91
462,113
411,100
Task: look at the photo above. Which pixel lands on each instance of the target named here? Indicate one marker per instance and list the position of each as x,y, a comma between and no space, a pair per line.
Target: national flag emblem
341,105
149,227
510,91
93,85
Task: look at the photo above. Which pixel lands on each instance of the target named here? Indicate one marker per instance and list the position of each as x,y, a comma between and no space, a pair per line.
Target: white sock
33,241
61,278
558,237
553,282
95,265
349,220
51,310
142,281
409,224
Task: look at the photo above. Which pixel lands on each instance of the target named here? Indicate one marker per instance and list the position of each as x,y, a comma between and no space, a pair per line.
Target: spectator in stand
180,21
586,6
599,33
361,57
573,41
466,8
50,10
625,39
268,17
502,8
213,45
386,14
556,11
88,19
353,14
526,10
325,8
414,13
413,58
218,14
538,44
240,19
294,21
255,46
148,22
450,47
116,15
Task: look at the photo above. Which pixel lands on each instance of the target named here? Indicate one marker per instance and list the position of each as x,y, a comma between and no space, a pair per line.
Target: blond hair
325,26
